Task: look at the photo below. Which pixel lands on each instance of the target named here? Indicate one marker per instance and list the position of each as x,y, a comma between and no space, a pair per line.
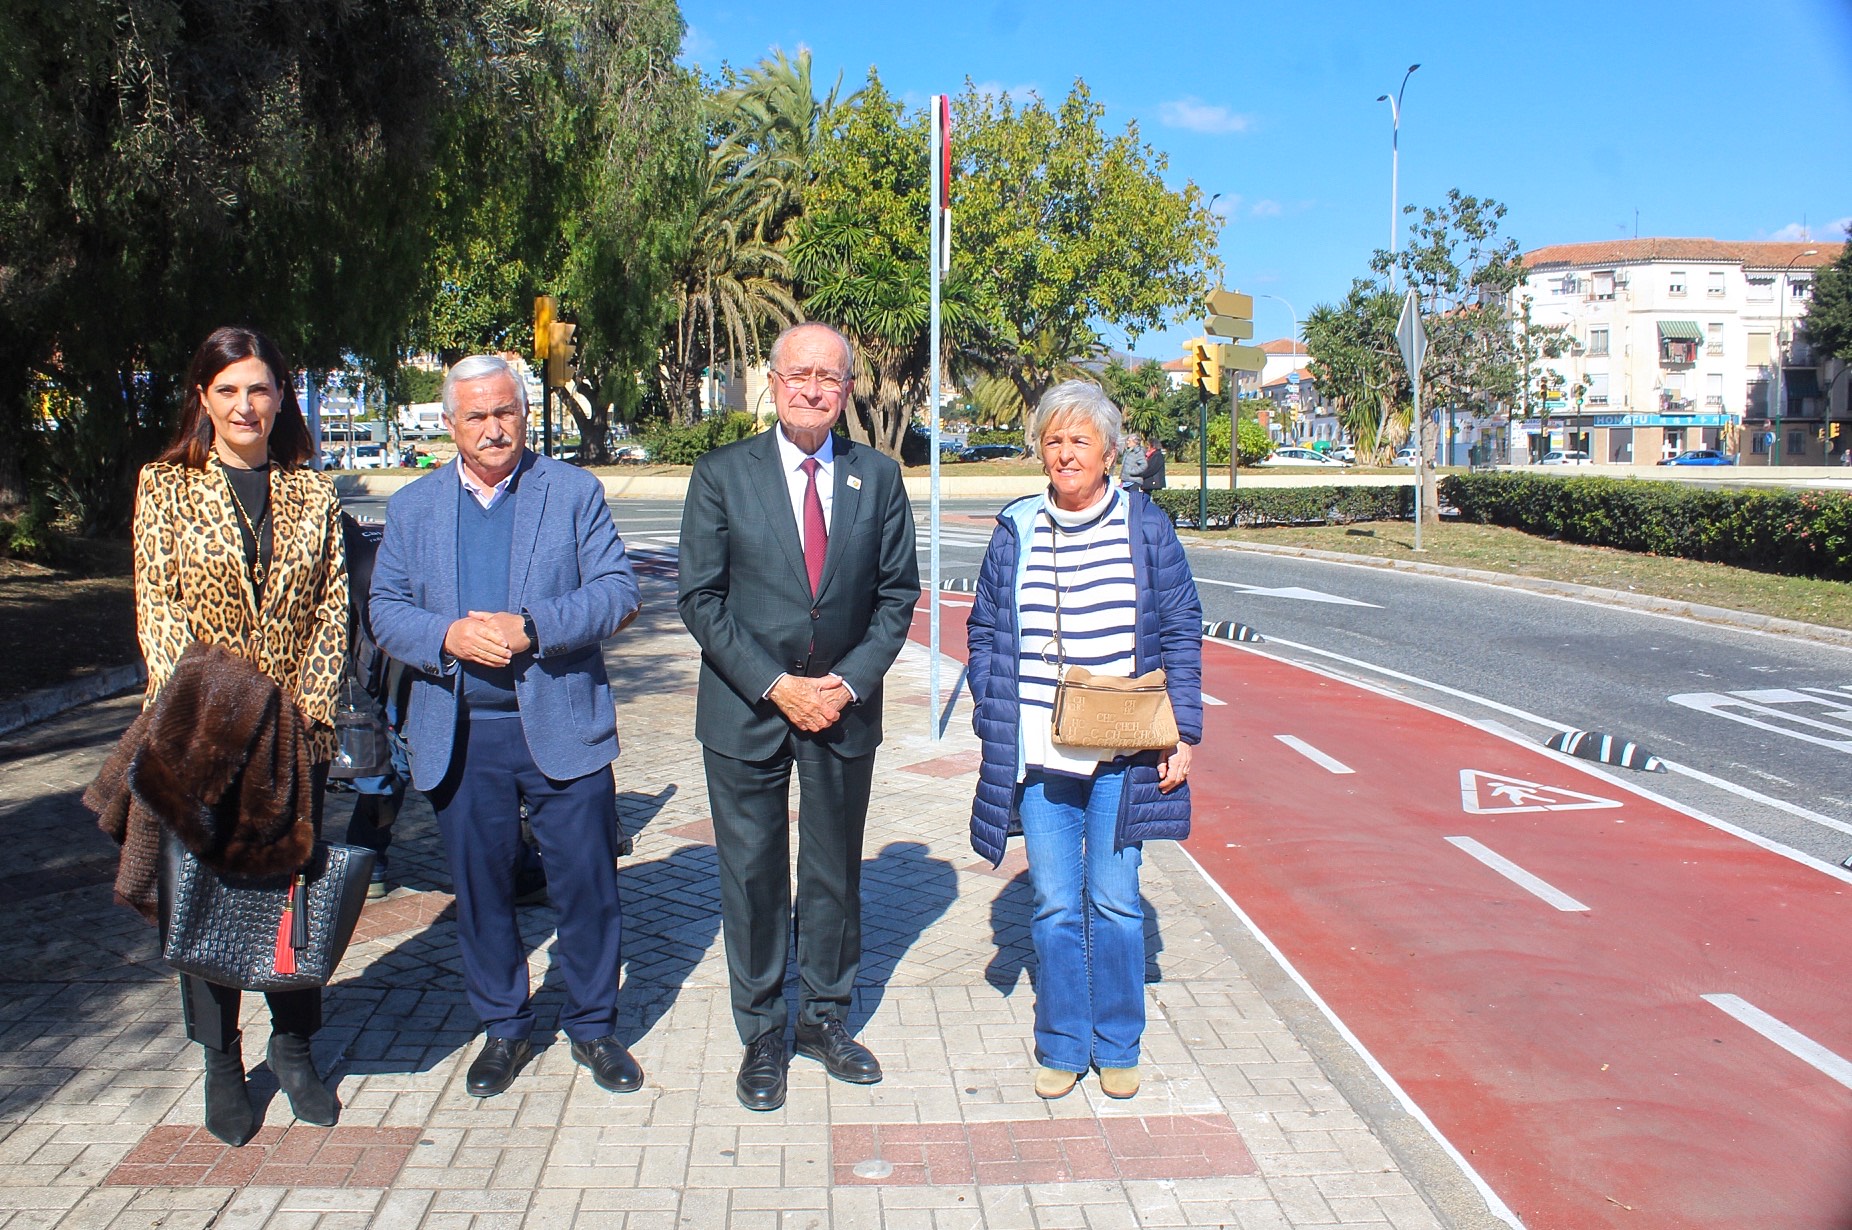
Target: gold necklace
258,570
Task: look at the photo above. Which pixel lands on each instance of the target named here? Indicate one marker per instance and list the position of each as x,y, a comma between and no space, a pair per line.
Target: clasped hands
811,705
487,638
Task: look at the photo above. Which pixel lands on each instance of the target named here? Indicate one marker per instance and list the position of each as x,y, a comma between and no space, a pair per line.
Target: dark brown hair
289,433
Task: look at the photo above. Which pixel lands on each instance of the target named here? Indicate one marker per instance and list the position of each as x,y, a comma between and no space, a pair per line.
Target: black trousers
211,1011
752,823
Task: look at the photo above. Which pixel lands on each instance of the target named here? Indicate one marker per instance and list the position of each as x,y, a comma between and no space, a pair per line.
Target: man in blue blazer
498,581
798,579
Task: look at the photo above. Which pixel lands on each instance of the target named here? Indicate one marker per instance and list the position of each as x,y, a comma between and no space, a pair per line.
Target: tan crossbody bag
1125,715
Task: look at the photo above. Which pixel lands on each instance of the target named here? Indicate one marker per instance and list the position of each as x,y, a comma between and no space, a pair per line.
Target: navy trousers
575,822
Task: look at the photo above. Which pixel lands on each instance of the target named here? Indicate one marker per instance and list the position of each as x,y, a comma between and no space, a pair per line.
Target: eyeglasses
827,382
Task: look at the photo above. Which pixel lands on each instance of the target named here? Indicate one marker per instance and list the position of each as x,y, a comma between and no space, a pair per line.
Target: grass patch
1492,548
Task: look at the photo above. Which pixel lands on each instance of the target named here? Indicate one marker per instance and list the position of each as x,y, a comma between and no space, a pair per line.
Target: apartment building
1674,345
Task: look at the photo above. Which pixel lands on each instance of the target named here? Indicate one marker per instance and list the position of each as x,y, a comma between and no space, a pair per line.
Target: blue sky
1721,119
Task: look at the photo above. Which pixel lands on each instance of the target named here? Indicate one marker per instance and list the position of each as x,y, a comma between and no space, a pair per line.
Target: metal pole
1421,460
933,225
1202,458
1395,166
1234,440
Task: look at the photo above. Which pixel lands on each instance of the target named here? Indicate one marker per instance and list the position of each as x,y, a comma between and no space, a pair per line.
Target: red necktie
816,534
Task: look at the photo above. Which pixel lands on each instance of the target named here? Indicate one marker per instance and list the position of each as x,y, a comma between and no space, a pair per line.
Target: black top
251,490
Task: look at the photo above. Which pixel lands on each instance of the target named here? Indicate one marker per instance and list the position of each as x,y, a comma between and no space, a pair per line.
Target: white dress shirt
792,459
490,497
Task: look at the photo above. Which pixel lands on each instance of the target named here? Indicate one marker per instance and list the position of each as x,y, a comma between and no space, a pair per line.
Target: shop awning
1680,331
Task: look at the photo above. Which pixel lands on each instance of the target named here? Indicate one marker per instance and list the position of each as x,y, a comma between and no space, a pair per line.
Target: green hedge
1793,532
1291,505
683,446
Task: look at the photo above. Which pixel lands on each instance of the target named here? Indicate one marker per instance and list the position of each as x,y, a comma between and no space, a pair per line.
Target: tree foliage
1071,228
1828,323
1357,366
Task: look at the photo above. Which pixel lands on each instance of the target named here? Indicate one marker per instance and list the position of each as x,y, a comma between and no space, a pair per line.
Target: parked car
632,454
1700,457
1565,457
1346,453
1407,455
1294,456
991,452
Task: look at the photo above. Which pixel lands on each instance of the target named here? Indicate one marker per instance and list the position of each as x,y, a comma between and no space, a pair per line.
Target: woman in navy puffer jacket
1103,565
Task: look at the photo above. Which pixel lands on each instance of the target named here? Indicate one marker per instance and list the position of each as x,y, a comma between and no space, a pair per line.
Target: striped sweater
1088,554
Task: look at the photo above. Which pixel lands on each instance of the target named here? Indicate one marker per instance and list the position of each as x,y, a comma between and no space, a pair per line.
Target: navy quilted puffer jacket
1169,635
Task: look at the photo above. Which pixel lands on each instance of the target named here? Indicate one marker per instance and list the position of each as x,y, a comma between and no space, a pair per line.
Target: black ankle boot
228,1103
309,1099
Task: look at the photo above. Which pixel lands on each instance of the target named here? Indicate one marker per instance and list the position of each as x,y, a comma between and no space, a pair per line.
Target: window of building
1761,290
1759,349
1598,341
1676,286
1713,389
1797,443
1570,285
1800,289
1604,284
1713,285
1713,338
1597,388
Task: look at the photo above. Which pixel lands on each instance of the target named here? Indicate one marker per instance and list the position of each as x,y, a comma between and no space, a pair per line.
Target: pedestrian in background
499,579
799,576
1101,568
238,544
1142,465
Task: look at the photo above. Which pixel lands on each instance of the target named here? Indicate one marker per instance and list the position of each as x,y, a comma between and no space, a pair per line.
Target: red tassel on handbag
285,951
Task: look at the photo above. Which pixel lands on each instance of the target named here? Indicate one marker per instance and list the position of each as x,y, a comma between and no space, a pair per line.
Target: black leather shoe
761,1083
611,1065
496,1064
842,1056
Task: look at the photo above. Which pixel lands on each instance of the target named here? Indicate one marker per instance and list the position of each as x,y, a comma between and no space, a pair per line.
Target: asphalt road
1757,728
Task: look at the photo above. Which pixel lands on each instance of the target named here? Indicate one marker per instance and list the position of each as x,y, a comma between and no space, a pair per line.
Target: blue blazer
569,572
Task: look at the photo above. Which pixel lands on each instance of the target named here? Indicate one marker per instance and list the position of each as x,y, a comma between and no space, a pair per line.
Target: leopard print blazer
191,584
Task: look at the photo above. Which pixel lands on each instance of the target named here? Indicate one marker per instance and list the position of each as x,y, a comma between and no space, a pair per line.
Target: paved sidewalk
100,1094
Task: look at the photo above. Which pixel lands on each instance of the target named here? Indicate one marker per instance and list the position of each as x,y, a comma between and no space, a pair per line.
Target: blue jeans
1089,924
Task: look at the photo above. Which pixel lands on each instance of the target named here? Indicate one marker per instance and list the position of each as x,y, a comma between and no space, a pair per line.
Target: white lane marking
1758,708
1518,876
1494,794
1496,1206
1211,700
1288,591
1741,791
1314,755
1784,1036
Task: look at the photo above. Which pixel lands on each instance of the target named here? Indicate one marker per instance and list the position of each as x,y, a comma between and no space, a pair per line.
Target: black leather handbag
261,933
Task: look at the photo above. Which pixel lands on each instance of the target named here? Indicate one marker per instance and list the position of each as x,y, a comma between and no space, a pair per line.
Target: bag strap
1054,566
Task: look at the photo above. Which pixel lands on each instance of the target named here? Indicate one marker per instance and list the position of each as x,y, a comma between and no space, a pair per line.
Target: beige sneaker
1053,1082
1119,1082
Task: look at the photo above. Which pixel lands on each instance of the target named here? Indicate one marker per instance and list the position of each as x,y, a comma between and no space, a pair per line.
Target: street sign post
1231,316
1413,340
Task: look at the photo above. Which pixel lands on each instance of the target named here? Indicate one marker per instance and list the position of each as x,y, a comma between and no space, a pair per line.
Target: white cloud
1267,209
1795,232
1198,116
1226,204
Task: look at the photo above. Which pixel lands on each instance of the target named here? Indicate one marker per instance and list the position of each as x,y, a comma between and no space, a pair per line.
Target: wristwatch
527,630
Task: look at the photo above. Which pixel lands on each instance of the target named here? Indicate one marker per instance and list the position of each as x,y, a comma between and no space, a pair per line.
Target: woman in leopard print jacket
239,544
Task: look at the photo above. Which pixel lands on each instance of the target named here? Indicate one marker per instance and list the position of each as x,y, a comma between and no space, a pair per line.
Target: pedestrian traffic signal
562,354
1203,373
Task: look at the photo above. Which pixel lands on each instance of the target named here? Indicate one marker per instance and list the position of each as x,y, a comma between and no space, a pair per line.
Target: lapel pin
855,484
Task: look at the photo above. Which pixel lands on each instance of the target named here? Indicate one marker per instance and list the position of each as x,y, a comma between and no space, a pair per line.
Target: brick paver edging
1038,1151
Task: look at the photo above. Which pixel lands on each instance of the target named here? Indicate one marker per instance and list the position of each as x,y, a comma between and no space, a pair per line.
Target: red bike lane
1569,1054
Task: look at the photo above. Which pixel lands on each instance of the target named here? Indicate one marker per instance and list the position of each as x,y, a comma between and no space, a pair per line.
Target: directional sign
1495,794
1411,337
1231,303
1229,327
1240,358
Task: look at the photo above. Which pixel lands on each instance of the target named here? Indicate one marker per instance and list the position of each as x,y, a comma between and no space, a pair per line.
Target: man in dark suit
799,579
499,579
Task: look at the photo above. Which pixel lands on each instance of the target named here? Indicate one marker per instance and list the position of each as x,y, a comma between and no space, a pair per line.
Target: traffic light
1203,373
546,310
562,353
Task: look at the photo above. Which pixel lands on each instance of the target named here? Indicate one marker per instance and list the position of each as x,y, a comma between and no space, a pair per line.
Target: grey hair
778,344
480,367
1076,397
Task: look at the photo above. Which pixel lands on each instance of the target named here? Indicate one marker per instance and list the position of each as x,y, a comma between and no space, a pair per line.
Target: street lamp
1395,160
1295,336
1781,350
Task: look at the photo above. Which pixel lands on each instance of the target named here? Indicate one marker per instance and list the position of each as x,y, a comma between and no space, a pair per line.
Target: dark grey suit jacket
746,597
